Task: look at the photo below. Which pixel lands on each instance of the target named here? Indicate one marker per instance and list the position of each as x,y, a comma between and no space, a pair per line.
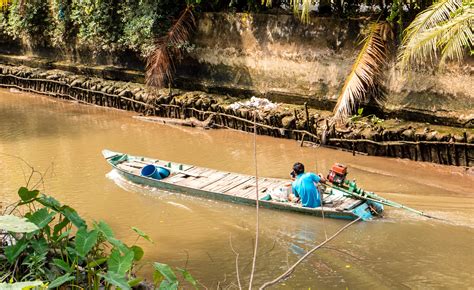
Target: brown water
400,251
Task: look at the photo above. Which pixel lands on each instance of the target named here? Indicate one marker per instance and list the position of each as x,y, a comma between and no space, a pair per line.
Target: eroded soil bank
366,135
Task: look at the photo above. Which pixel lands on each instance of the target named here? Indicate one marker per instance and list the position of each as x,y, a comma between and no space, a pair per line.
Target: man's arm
322,179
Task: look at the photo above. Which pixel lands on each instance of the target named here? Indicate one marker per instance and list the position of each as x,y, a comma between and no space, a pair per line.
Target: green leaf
118,244
116,280
105,229
27,195
360,111
134,282
13,251
157,277
63,235
60,226
40,246
137,253
166,285
142,234
188,277
85,241
11,223
41,217
120,264
166,271
61,280
50,202
72,253
97,262
72,215
21,285
62,265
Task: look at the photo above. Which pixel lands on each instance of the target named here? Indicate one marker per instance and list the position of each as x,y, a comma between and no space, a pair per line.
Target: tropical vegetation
44,243
427,32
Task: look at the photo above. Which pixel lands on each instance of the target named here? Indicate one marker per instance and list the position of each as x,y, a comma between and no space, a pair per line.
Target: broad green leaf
120,264
137,252
134,282
188,277
21,285
166,285
97,262
360,111
105,229
41,217
11,223
166,271
142,234
60,226
61,280
62,265
85,241
157,277
116,280
72,215
40,246
63,235
72,252
27,195
49,201
12,252
119,245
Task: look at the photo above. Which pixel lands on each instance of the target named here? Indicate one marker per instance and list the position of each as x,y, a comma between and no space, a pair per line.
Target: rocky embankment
361,134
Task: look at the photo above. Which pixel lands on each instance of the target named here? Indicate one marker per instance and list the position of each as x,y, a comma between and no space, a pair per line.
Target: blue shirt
305,188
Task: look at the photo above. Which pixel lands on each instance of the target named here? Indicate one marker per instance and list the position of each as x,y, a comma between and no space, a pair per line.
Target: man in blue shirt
304,186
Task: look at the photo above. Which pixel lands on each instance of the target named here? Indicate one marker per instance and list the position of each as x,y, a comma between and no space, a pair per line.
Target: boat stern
368,210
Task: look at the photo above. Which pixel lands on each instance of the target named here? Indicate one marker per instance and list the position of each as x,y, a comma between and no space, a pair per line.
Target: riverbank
365,135
388,253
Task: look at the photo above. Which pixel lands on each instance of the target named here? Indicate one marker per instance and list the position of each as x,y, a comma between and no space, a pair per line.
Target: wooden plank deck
232,184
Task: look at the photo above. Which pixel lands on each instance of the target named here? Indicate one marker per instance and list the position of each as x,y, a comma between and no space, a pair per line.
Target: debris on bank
255,103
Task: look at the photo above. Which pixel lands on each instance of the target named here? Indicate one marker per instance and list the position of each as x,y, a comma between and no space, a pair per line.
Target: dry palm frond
365,75
445,26
161,62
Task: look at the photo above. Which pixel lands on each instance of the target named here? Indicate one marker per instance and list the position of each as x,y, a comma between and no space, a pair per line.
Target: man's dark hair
298,168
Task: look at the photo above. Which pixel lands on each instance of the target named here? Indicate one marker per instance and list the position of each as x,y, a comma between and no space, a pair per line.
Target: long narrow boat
233,187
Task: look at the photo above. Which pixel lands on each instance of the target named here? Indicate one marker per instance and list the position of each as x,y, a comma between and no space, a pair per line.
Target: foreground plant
52,246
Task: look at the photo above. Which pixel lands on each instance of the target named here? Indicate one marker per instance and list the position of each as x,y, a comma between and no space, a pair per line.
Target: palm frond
161,62
365,75
458,36
432,17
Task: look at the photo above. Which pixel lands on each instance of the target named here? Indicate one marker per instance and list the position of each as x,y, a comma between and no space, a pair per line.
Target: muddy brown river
401,250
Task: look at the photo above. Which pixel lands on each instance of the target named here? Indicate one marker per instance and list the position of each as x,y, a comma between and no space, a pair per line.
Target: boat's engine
337,174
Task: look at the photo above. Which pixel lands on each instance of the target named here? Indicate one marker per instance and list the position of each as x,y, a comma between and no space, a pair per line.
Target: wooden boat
234,187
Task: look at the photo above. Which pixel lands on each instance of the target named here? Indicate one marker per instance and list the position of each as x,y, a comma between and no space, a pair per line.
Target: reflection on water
400,251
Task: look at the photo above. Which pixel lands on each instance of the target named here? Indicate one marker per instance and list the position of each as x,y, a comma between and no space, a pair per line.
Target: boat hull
361,210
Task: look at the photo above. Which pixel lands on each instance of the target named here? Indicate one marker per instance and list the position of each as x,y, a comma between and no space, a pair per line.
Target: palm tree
169,48
445,28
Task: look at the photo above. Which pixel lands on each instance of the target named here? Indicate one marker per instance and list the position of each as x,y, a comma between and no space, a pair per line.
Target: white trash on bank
254,102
